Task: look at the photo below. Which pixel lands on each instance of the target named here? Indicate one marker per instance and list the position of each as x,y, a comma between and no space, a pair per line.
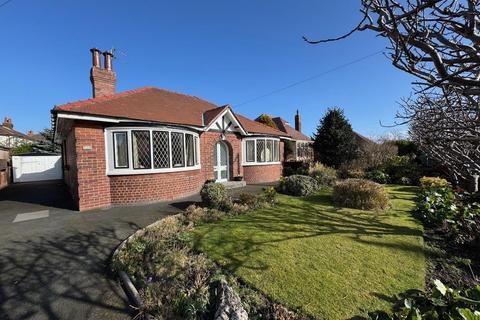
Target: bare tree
438,41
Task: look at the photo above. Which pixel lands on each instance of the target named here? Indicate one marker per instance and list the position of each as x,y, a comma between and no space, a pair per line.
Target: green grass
330,263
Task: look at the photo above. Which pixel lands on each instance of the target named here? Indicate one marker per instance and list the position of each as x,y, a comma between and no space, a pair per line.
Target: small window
260,150
190,150
161,150
197,160
120,153
250,150
276,148
178,156
141,149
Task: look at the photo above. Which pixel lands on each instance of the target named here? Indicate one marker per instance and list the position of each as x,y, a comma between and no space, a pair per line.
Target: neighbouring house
151,144
300,146
10,138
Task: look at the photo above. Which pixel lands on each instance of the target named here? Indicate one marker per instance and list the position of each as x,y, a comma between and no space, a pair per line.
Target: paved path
54,262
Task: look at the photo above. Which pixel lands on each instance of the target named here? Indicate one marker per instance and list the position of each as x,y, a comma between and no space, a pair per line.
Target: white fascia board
116,120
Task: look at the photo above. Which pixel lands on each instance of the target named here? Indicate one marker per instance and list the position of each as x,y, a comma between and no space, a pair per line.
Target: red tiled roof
158,105
285,127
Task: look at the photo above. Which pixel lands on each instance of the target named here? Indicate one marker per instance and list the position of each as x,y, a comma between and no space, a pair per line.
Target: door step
234,184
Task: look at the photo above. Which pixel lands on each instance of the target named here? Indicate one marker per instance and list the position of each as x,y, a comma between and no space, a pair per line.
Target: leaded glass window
178,155
161,149
269,151
260,150
141,149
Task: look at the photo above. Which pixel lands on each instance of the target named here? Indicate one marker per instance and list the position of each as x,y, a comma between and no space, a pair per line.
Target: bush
298,185
434,182
441,303
360,194
350,171
405,181
197,215
402,166
325,176
434,205
377,176
215,196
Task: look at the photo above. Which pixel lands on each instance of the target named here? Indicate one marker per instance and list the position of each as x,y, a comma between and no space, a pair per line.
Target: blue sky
227,52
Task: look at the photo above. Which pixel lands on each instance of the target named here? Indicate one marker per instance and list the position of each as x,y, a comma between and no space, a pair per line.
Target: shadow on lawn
61,277
302,219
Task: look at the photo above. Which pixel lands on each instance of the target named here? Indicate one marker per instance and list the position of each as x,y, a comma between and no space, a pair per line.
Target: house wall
265,173
92,188
93,182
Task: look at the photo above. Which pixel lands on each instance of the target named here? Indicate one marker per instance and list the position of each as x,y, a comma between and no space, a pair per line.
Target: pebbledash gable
150,144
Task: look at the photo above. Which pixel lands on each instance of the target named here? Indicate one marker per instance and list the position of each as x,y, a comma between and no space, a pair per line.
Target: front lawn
331,263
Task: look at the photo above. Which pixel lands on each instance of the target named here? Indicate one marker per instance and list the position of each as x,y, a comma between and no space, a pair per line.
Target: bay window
151,150
261,151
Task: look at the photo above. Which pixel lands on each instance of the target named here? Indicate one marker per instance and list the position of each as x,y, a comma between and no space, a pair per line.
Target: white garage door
36,168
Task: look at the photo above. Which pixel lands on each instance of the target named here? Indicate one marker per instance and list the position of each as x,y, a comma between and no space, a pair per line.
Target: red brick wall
93,182
264,173
144,188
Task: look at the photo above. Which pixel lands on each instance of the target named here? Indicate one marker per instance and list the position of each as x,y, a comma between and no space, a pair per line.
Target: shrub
402,166
433,182
405,181
377,176
360,194
441,303
350,171
197,215
215,196
434,205
248,199
269,195
298,185
325,176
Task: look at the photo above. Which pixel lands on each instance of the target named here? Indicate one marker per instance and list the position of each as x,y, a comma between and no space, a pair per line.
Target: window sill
249,164
123,172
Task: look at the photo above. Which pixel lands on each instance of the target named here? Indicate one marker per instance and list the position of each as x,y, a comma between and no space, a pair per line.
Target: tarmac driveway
54,262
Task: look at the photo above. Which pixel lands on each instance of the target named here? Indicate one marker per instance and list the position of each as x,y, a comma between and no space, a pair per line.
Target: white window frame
109,151
257,163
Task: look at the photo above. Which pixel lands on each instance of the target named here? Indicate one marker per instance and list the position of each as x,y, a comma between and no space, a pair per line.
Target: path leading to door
54,262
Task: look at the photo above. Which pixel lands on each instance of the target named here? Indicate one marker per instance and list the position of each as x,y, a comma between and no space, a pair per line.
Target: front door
220,162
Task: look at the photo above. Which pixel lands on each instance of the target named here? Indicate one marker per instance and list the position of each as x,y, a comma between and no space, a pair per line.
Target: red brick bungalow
150,144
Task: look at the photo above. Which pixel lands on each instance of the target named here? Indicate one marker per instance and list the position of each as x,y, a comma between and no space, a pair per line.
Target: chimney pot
107,55
7,122
298,122
95,57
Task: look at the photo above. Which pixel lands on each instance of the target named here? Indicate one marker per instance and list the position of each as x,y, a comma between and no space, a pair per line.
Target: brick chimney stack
7,122
298,122
103,79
